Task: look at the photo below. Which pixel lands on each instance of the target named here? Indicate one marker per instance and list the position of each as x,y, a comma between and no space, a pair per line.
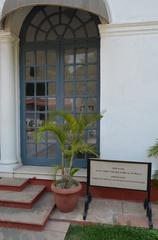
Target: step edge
26,205
26,225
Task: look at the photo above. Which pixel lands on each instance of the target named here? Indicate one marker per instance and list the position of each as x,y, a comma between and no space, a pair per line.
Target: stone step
13,184
31,219
24,199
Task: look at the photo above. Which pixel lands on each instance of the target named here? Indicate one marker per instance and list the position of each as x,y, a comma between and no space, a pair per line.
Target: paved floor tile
57,226
132,220
134,208
51,232
104,211
110,212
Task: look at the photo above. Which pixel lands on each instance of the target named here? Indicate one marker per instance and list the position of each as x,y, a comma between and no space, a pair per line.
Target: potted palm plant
69,133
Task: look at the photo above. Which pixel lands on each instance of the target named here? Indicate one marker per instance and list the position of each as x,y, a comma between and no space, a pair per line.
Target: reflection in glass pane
40,104
91,105
40,89
30,34
51,73
41,151
31,150
30,135
65,19
51,57
50,137
51,89
30,58
80,56
69,57
43,140
68,104
41,36
80,72
60,29
68,89
92,55
92,88
91,138
50,116
29,89
40,73
92,72
30,120
51,104
40,57
68,34
81,89
30,104
30,73
38,18
80,105
80,33
45,26
69,73
41,117
55,19
75,23
52,151
52,35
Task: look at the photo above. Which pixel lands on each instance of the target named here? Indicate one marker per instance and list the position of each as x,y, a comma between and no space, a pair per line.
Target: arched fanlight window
55,23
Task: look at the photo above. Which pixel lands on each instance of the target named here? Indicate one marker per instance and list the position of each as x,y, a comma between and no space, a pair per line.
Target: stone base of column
9,168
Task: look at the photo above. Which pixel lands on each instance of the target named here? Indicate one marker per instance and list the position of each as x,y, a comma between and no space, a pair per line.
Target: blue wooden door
58,72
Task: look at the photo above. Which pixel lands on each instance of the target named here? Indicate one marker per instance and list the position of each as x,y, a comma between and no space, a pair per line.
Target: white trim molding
128,29
8,37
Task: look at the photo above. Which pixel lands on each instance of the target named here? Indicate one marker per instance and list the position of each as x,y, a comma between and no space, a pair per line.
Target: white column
8,124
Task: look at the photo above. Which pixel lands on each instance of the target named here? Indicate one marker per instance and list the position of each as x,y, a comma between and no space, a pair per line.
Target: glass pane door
62,79
40,100
81,89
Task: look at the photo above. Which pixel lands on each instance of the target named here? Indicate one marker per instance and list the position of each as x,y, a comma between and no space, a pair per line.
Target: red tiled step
13,184
23,199
32,219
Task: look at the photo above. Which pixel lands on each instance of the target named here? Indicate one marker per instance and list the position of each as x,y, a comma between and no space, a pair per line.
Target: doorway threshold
45,173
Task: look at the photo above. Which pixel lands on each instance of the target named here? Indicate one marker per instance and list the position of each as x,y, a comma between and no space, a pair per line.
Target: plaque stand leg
88,200
148,208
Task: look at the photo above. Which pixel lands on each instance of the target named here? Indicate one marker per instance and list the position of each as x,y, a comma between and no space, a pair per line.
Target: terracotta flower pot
66,199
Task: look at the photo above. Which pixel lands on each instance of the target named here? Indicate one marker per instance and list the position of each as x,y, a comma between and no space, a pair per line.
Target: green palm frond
153,151
57,129
84,121
55,169
73,171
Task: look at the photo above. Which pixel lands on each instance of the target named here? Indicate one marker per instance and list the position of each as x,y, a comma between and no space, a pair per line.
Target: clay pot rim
66,190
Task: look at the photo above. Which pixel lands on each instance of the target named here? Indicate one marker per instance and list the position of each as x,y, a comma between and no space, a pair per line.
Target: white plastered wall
124,11
129,83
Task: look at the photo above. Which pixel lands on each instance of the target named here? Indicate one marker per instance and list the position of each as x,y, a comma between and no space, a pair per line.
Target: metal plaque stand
147,201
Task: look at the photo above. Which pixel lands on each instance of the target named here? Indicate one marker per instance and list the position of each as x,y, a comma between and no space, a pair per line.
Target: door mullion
60,80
